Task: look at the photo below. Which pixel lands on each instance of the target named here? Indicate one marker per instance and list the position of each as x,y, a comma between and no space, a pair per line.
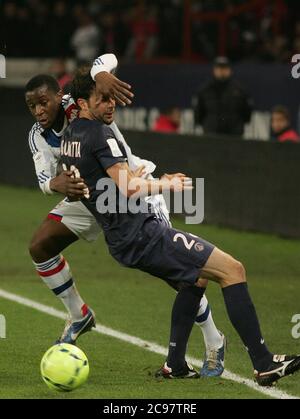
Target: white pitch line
149,346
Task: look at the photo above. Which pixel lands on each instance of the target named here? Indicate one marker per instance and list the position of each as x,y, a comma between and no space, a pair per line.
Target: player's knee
237,272
37,247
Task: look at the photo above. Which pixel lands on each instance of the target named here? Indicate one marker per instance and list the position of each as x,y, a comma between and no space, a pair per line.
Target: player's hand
67,185
139,172
179,182
76,175
172,176
109,85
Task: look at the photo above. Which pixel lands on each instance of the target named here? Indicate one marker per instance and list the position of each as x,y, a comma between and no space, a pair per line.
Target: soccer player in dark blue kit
140,240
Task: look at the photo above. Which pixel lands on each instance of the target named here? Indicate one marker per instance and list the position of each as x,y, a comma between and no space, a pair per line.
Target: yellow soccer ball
64,367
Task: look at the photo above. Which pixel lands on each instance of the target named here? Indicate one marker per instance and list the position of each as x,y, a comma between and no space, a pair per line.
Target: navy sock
184,312
243,317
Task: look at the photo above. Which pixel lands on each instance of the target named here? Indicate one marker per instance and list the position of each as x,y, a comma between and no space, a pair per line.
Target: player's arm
46,167
64,183
130,185
106,83
112,157
67,185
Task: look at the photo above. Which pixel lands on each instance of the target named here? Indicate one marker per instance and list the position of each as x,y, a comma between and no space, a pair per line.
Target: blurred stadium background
166,50
174,43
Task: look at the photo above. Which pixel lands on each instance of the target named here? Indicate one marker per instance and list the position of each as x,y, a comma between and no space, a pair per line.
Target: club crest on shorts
199,247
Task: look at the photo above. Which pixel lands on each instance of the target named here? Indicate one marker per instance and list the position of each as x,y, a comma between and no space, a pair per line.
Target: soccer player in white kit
70,220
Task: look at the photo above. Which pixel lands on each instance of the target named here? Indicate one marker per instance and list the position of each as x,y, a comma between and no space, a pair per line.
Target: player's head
281,119
43,97
83,91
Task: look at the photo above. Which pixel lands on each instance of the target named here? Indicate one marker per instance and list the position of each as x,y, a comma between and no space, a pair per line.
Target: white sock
56,274
212,337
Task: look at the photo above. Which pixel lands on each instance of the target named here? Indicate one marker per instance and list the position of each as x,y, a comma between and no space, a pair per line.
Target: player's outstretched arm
107,84
131,185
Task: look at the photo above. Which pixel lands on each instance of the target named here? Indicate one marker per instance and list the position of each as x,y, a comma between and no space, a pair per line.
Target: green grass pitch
136,304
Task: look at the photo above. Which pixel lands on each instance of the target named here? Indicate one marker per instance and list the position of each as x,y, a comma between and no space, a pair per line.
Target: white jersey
46,156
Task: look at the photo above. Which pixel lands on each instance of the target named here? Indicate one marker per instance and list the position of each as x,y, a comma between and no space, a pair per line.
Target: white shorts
78,219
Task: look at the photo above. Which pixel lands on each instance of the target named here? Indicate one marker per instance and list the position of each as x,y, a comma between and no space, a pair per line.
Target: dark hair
83,85
283,111
42,80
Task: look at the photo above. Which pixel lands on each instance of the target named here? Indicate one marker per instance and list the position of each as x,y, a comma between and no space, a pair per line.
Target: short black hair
42,80
83,85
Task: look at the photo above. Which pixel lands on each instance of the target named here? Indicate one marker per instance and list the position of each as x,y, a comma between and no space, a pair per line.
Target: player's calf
49,240
56,274
240,308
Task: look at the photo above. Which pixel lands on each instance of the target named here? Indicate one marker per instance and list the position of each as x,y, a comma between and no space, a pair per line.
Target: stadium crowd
146,29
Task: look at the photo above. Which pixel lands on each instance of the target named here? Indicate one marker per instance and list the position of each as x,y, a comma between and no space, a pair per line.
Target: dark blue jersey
137,240
92,148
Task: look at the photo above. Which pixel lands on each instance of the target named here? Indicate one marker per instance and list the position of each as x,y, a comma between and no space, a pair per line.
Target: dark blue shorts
167,253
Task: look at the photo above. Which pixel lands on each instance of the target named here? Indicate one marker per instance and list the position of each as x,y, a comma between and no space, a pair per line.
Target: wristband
47,188
106,62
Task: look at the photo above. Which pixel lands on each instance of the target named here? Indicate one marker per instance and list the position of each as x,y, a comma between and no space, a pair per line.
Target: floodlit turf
137,304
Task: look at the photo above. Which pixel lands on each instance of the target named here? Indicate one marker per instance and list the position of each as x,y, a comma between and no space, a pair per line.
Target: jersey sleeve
44,160
106,148
106,62
134,162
